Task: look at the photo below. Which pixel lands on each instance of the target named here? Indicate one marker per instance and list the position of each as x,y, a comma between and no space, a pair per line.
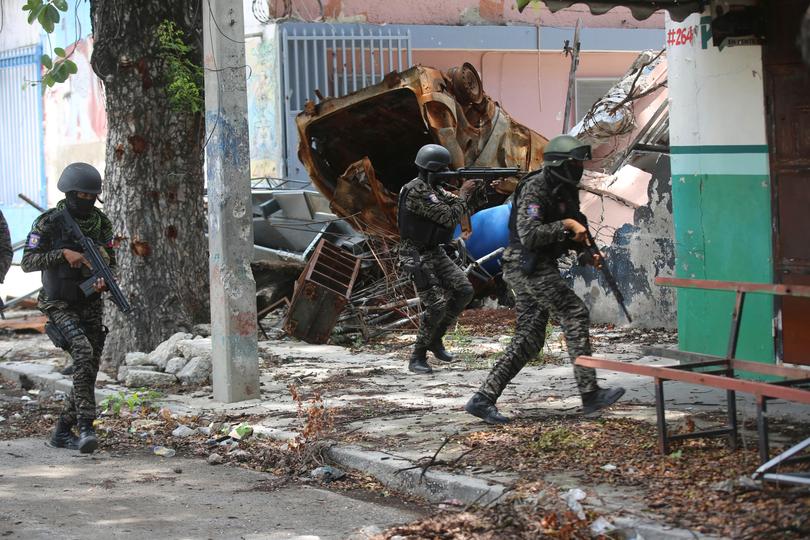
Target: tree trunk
153,185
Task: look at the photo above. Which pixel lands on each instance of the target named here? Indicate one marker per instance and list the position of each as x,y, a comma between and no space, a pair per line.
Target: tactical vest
61,282
555,213
421,231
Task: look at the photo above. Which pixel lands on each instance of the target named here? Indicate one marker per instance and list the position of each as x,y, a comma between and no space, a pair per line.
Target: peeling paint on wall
264,104
636,252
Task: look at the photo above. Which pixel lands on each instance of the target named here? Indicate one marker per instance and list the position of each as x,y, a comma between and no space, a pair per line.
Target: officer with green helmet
74,320
545,223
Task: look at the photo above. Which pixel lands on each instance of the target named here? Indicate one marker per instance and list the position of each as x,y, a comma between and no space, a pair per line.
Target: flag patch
534,211
33,240
433,198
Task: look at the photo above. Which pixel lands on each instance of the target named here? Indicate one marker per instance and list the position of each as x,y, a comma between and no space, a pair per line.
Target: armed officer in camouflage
543,225
74,320
427,216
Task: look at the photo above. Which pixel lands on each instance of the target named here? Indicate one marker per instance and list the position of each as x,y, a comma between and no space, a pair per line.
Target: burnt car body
359,149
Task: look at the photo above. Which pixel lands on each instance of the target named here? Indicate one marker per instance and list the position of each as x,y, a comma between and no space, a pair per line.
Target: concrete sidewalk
386,419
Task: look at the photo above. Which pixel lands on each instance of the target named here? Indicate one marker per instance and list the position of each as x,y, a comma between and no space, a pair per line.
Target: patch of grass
140,399
559,438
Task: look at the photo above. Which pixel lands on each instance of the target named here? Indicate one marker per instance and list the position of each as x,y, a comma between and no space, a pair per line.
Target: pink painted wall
452,12
75,120
511,78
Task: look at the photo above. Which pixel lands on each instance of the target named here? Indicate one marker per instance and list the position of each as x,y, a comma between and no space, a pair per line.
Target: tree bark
153,186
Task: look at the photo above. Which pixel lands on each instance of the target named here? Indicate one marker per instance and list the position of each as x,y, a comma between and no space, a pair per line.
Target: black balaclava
80,208
569,171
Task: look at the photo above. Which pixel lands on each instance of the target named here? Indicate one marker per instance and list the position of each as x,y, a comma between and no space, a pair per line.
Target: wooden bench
793,383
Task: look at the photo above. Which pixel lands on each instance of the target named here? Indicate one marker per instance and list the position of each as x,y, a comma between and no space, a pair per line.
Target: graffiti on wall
264,122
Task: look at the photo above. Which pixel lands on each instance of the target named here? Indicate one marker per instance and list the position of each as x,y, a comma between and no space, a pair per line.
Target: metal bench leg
731,397
663,438
762,428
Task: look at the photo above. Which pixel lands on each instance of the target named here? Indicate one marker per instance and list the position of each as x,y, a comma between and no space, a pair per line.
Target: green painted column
722,214
721,189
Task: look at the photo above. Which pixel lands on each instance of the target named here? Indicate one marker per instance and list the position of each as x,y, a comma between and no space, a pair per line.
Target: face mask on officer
569,172
80,206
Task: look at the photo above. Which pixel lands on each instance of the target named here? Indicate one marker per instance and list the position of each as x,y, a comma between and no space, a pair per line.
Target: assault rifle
99,268
592,250
484,175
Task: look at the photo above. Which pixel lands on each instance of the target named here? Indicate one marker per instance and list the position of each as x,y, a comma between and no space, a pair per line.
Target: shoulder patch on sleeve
432,197
533,211
33,240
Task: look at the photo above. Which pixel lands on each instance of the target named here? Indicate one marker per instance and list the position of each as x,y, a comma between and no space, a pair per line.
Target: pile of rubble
182,359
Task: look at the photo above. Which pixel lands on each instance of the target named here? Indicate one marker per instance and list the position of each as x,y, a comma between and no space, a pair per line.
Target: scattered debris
163,451
182,431
327,474
572,498
215,459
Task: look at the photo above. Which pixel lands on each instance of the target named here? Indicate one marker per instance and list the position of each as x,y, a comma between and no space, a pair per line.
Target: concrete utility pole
230,225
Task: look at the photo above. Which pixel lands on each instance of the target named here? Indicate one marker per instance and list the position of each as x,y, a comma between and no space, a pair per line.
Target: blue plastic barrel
490,231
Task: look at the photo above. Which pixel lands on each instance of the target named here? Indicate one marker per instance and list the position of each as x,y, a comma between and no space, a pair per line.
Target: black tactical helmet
565,147
80,177
432,157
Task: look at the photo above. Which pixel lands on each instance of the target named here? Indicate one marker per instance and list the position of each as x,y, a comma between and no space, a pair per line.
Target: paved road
49,493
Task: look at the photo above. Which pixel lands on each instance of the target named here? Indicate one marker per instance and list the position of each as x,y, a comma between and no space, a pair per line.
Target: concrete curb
434,486
42,376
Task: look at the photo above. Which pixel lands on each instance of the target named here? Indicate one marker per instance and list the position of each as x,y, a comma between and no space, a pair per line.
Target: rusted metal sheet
321,293
787,85
360,148
36,324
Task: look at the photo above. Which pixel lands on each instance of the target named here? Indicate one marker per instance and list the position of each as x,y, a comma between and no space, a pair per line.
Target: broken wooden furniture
321,293
791,384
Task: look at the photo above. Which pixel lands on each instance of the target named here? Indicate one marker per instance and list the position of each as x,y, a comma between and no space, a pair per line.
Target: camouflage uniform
79,320
6,253
542,290
443,288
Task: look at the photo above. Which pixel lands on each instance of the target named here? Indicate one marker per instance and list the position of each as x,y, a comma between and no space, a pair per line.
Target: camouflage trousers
536,295
443,289
81,325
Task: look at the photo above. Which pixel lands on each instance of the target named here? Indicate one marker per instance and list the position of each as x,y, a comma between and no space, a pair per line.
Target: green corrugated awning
678,9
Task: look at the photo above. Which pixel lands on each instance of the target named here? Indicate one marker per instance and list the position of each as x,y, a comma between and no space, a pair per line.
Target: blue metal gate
22,164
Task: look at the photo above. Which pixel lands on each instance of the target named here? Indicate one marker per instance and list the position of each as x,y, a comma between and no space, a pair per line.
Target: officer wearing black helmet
427,216
545,223
74,319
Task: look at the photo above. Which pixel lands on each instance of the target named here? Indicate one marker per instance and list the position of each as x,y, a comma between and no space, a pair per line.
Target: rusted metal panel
787,87
360,148
321,293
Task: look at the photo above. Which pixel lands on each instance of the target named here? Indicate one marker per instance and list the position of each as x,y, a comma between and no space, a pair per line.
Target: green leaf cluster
58,69
47,13
184,77
139,399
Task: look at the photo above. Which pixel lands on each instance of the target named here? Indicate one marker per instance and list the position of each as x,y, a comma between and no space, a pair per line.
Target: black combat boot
87,436
438,350
418,362
484,408
601,398
63,436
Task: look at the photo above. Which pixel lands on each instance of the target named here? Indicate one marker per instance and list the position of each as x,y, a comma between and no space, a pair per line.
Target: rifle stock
99,268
